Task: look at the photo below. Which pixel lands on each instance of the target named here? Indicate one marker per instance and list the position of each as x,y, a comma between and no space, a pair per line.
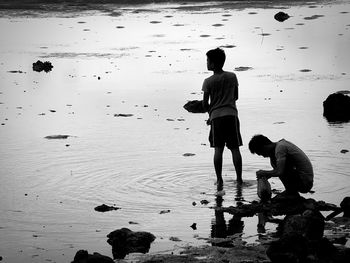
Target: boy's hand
208,122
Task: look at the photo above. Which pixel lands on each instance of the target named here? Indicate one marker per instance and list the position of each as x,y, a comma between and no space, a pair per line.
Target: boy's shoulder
224,74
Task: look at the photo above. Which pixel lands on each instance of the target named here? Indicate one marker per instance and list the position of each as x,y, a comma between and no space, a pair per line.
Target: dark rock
164,211
105,208
337,107
243,68
310,224
82,256
345,206
42,66
125,241
281,16
59,136
123,115
342,255
291,248
194,226
204,202
194,106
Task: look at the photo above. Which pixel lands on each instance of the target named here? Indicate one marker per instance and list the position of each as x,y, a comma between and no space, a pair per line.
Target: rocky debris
59,136
279,206
125,241
194,106
82,256
281,16
212,254
42,66
302,238
105,208
337,107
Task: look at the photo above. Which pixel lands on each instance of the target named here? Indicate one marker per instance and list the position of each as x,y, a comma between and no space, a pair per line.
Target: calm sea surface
148,60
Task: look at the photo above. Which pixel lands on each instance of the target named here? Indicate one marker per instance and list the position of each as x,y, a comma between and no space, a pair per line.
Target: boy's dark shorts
225,131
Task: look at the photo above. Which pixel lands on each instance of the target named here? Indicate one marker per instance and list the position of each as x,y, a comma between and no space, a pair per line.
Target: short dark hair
257,142
217,56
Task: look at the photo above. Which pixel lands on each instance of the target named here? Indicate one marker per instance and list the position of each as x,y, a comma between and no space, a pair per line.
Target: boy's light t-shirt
296,159
223,93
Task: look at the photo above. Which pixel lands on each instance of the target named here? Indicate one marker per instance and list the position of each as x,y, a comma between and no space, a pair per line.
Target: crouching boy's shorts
225,131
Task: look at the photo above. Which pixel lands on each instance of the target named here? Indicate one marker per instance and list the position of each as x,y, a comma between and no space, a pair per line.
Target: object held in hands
194,106
264,189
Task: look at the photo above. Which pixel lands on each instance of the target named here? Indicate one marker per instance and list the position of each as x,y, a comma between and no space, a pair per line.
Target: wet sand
120,76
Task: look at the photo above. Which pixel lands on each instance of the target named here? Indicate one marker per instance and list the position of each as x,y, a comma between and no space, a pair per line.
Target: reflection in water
219,228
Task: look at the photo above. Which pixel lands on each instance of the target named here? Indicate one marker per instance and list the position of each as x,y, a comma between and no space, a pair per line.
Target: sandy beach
121,75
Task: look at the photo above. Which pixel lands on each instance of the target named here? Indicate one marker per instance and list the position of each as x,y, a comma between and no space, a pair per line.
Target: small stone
105,208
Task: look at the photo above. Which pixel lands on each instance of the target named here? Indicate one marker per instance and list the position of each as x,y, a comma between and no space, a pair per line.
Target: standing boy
221,89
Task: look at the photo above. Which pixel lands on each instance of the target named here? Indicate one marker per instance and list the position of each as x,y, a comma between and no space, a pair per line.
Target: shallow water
151,60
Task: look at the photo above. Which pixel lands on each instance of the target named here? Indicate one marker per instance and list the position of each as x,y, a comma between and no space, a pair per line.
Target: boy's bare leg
218,165
237,162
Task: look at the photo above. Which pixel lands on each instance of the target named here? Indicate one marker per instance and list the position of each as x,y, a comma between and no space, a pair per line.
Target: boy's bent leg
237,162
218,164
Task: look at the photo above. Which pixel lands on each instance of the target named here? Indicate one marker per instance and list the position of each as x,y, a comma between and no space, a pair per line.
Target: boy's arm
276,172
205,101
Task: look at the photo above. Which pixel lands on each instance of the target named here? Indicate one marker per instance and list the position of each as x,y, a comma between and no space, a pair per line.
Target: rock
125,241
105,208
189,154
194,226
310,224
123,115
175,239
204,202
345,206
243,68
194,106
289,248
281,16
337,107
344,151
82,256
59,136
42,66
164,211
